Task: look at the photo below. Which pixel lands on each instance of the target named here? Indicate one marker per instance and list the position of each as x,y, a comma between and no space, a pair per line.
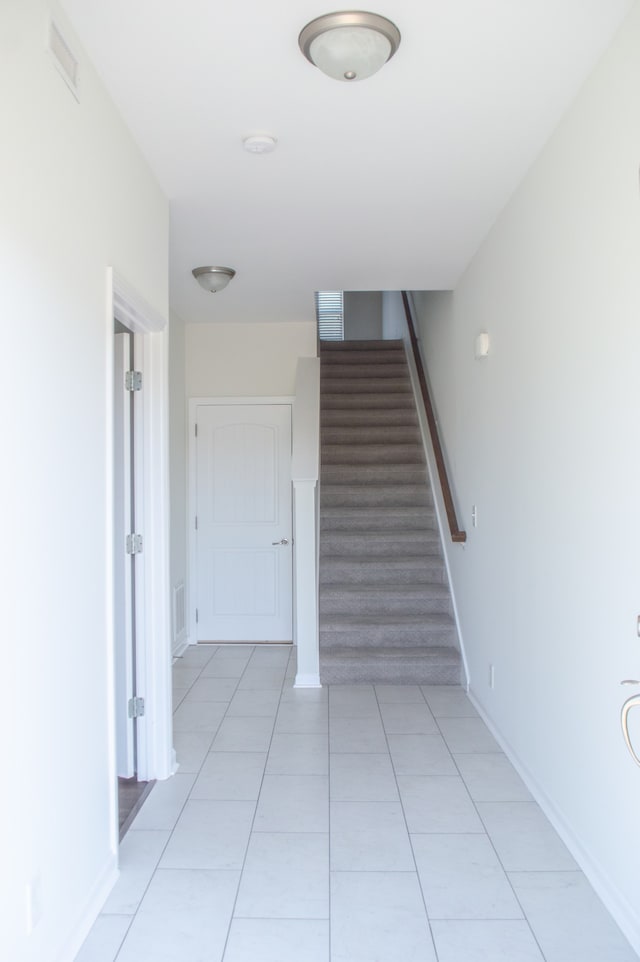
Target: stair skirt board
385,607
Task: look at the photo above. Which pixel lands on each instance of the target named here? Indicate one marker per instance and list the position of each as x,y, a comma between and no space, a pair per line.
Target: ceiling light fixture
349,44
213,279
259,143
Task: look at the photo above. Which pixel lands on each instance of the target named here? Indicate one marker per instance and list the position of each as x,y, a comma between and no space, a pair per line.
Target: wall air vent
65,60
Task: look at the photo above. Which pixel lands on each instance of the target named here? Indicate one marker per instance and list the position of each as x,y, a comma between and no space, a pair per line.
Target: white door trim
194,403
156,758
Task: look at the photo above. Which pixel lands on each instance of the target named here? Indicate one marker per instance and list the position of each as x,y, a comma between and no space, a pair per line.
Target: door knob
282,541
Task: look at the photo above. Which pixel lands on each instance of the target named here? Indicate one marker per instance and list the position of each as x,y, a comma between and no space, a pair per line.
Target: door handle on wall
630,703
282,541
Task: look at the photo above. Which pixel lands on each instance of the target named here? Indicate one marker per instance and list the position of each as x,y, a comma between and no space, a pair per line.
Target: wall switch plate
492,676
474,516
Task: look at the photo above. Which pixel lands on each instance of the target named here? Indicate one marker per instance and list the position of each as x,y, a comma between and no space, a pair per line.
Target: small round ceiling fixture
213,279
260,143
349,44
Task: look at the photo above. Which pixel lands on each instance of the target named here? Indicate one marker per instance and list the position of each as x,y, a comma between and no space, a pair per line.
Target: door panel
243,496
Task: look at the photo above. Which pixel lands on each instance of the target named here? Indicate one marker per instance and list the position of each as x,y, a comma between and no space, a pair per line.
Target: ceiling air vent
65,61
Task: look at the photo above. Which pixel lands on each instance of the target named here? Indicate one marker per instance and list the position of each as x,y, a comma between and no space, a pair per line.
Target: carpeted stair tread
375,495
373,474
380,369
390,599
358,518
355,417
400,666
386,452
346,400
413,569
366,544
328,347
375,434
366,385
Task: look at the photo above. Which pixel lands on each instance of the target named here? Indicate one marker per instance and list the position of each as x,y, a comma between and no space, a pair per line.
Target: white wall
362,315
253,359
76,196
178,456
543,438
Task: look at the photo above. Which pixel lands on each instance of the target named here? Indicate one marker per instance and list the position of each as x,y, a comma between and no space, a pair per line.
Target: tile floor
350,824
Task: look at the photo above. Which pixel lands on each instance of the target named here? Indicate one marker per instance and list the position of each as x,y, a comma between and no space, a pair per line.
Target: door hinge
196,431
196,616
133,381
196,522
136,707
134,544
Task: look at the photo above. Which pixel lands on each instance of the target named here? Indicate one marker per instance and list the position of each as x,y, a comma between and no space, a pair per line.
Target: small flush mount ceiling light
259,143
349,44
213,279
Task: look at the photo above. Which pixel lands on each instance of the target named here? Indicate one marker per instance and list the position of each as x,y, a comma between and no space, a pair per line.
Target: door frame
194,403
156,757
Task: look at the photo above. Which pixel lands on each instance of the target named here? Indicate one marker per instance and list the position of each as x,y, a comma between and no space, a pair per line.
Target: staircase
385,607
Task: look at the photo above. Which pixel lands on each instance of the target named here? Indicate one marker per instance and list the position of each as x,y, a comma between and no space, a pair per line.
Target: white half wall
76,196
253,359
542,435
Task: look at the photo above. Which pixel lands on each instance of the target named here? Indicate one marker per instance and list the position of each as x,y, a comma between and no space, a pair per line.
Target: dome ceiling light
213,279
349,44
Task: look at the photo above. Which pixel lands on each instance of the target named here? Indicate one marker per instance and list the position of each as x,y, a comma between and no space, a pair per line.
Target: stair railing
457,535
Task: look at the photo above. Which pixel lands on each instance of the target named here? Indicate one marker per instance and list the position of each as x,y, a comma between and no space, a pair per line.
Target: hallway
347,824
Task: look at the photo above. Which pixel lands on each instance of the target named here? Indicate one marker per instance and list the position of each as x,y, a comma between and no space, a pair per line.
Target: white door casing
243,539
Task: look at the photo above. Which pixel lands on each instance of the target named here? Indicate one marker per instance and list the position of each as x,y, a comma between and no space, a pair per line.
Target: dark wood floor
131,795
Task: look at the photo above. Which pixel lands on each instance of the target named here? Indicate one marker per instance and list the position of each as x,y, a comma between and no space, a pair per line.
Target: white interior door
243,536
122,562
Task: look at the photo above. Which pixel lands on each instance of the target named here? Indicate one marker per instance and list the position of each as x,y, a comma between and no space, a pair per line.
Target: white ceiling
382,184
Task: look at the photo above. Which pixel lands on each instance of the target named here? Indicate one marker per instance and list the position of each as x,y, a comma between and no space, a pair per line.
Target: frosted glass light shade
349,45
213,279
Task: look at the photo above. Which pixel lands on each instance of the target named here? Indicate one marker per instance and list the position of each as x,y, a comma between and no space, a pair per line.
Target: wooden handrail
456,534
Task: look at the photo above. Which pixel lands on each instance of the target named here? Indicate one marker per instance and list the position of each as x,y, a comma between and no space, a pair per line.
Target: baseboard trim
180,645
610,895
91,910
307,681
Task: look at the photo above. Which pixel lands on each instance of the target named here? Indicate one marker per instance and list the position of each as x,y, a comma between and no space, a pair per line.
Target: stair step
375,495
368,402
365,474
371,434
391,631
387,369
398,570
365,385
384,518
385,599
365,417
400,666
365,345
385,452
380,544
336,359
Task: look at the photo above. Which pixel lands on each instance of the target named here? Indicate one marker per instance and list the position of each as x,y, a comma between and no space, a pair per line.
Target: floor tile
492,778
568,919
298,754
461,878
304,696
196,656
409,719
139,855
285,876
213,689
421,755
230,776
486,941
402,694
249,704
293,803
184,916
224,668
104,939
164,803
243,735
198,716
178,695
467,735
271,656
357,735
278,940
191,749
261,679
362,778
210,835
437,803
448,701
353,701
184,677
378,916
369,837
294,716
524,838
231,652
